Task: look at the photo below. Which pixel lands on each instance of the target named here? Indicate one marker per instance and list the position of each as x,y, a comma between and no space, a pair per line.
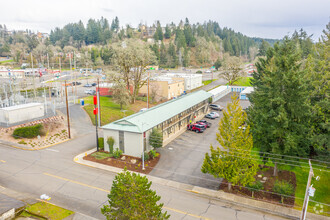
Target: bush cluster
117,153
101,143
27,132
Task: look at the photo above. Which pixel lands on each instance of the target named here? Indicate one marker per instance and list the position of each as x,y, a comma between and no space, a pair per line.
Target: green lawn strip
48,211
206,82
110,111
6,61
100,155
244,81
322,187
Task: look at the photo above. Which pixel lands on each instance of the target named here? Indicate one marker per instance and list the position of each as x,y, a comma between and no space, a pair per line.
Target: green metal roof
143,121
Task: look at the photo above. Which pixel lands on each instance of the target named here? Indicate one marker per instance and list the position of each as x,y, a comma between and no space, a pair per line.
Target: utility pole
67,110
98,102
60,66
95,111
47,62
34,84
308,189
148,92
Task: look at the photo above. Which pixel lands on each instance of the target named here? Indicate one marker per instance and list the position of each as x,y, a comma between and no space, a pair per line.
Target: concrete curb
33,149
231,198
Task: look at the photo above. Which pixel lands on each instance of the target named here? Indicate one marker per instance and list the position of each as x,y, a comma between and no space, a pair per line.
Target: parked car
210,116
208,71
215,114
76,83
216,107
88,85
94,84
90,92
201,123
205,122
196,127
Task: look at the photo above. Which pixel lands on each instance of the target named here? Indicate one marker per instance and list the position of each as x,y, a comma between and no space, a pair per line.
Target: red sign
95,100
95,111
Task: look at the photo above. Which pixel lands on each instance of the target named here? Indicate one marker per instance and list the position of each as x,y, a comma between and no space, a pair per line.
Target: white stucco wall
21,113
133,144
110,133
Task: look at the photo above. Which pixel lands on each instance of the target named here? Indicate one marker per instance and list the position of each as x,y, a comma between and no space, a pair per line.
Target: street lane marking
186,213
2,161
76,182
52,150
107,191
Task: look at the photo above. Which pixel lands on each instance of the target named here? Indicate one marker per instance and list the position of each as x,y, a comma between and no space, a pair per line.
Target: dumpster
82,102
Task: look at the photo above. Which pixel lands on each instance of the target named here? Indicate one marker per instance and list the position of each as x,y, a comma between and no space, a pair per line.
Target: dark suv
196,127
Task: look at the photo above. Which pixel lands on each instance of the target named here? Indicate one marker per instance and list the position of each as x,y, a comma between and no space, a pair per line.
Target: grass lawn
322,187
47,210
206,82
6,61
244,81
111,111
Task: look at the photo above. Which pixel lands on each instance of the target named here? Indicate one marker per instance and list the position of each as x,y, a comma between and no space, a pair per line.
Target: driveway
182,159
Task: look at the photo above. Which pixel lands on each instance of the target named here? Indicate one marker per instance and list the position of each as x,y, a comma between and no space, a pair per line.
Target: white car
208,71
215,114
90,92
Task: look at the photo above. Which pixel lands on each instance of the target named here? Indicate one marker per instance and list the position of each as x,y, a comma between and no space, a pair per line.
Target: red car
196,127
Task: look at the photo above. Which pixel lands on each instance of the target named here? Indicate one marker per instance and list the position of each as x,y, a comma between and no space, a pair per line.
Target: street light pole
305,205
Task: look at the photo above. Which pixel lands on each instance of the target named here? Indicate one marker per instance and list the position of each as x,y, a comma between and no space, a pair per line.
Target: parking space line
107,191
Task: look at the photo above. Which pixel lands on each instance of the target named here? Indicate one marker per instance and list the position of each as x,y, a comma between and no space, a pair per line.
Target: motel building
131,134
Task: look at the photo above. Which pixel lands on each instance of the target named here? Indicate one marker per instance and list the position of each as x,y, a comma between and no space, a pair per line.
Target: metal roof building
130,133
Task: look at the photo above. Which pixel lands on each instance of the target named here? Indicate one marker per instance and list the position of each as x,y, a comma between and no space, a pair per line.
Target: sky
254,18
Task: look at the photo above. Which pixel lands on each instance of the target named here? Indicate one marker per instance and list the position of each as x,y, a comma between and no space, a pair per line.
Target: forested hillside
174,45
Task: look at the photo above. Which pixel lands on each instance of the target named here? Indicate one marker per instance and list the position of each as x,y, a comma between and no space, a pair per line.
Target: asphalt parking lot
182,159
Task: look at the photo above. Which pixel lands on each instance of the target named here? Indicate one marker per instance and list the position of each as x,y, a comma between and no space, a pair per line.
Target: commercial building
244,94
106,89
21,113
131,134
191,81
219,92
164,87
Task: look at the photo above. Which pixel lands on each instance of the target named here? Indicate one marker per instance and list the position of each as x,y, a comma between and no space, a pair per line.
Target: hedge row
27,132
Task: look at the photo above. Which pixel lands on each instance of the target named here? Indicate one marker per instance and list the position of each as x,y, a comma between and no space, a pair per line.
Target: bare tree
131,58
120,93
232,70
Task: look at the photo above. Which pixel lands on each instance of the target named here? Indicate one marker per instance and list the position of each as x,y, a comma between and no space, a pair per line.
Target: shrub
283,188
152,154
117,153
111,142
255,186
156,138
22,142
27,132
199,71
146,156
101,143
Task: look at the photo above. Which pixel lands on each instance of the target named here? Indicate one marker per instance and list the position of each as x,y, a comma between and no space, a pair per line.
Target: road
83,189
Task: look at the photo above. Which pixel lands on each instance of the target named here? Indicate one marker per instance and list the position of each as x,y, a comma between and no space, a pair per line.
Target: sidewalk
230,198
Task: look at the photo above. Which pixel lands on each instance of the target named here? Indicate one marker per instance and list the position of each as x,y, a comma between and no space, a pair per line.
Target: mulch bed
126,161
266,194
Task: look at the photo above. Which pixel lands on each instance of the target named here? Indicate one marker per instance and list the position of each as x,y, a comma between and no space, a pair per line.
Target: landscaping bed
131,163
53,130
265,174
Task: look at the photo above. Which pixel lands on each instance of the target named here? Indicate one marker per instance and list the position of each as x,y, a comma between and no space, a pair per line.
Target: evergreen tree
131,198
162,55
318,73
156,138
159,32
279,112
217,64
234,162
168,33
189,37
263,48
